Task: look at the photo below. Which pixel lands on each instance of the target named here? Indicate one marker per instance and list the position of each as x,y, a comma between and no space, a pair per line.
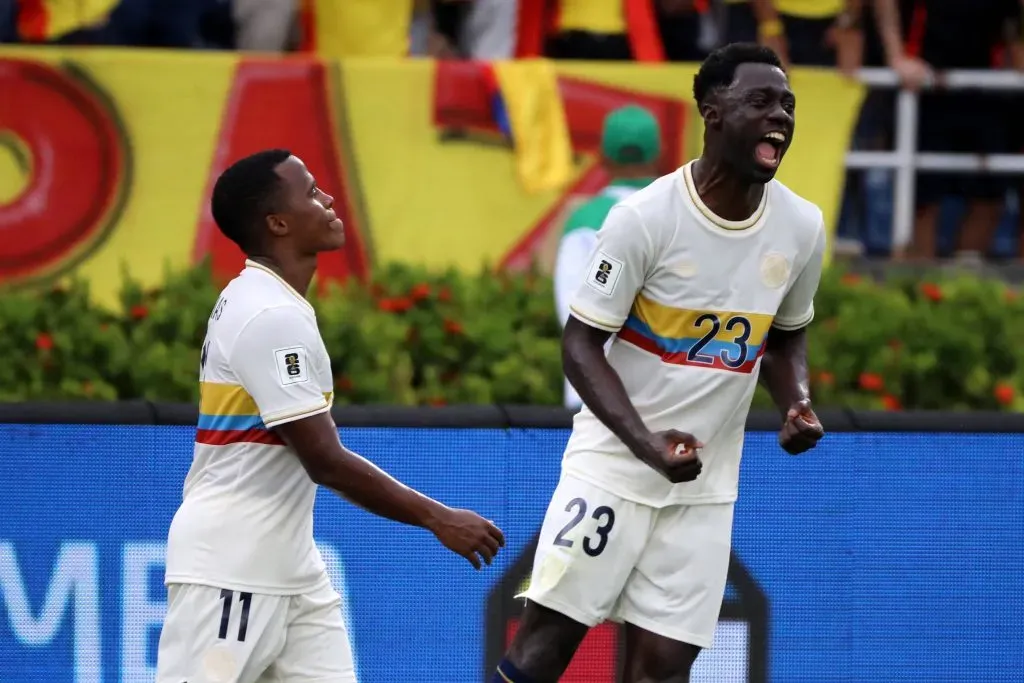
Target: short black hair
719,68
245,193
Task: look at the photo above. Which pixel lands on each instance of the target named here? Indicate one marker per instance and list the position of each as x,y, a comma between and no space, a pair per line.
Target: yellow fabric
596,16
809,9
539,129
65,16
363,28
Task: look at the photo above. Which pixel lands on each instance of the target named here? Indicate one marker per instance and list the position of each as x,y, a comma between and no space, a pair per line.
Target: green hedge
416,337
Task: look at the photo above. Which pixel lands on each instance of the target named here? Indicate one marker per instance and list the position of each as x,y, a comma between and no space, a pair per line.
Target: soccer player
706,278
249,598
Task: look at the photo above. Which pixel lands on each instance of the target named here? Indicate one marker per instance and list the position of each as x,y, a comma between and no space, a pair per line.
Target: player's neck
723,192
297,272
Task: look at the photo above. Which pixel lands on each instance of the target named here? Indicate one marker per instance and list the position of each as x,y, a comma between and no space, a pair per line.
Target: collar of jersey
715,221
259,266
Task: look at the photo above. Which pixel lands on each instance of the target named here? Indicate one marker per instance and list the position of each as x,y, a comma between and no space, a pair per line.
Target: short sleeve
616,272
272,358
572,259
797,308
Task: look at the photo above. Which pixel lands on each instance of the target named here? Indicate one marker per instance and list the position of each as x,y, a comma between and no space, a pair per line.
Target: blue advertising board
876,557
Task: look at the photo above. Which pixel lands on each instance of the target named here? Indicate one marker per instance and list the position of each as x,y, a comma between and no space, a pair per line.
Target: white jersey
691,298
246,520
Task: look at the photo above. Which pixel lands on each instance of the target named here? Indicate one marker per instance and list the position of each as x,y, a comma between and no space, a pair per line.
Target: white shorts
662,569
222,636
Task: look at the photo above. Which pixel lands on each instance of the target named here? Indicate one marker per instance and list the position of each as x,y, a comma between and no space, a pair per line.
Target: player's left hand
468,534
802,430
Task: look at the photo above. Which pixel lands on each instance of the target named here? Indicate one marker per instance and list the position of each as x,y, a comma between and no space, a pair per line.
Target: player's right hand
468,534
674,454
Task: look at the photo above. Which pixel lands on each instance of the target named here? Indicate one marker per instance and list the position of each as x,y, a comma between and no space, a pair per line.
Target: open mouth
769,150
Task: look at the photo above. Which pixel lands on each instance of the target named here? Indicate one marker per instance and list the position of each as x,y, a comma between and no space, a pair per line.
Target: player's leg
653,658
542,648
672,600
588,545
212,635
317,649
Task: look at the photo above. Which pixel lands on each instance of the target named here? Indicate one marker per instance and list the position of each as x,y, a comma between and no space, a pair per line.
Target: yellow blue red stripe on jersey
228,415
719,340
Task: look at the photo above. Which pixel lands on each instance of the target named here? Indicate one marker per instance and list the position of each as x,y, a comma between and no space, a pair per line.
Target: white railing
905,159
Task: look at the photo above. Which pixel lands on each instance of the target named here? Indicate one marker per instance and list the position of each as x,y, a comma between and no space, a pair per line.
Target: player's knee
543,645
669,664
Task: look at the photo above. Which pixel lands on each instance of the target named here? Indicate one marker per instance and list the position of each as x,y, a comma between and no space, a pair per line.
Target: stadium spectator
589,29
955,34
630,148
472,29
803,32
683,26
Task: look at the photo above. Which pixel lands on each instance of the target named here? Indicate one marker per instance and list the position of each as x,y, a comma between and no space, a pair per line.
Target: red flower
453,327
376,289
850,279
826,378
395,305
831,324
343,383
88,389
139,312
436,401
870,381
44,342
1004,393
895,344
892,403
931,291
1010,296
445,294
420,292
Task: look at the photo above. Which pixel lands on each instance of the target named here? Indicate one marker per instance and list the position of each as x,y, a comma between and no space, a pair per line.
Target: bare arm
330,464
764,11
293,404
784,364
887,19
602,391
784,368
598,384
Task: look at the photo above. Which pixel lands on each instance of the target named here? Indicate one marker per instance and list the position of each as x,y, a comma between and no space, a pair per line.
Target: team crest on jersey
604,274
292,365
774,270
686,268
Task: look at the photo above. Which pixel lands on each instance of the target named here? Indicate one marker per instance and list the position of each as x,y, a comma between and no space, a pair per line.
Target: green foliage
413,337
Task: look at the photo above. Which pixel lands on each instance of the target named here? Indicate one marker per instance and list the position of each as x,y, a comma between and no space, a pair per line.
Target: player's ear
276,225
710,111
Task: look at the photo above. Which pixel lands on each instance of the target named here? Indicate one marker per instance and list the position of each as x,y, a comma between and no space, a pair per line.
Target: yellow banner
107,157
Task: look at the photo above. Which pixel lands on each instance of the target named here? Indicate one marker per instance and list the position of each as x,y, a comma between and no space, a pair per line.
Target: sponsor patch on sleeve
604,273
292,365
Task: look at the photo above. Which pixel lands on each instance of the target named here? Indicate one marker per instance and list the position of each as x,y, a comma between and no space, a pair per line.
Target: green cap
631,135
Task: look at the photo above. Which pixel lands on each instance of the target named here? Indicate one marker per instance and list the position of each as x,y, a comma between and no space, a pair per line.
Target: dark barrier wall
884,555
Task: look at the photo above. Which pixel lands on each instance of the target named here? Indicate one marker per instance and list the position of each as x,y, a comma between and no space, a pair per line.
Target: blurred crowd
957,213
